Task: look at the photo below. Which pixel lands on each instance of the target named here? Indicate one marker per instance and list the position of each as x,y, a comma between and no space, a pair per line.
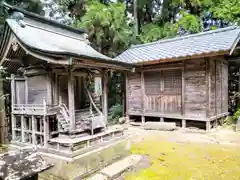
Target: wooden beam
46,130
71,102
183,91
22,129
126,97
105,94
49,88
13,123
142,92
26,90
207,75
34,129
13,91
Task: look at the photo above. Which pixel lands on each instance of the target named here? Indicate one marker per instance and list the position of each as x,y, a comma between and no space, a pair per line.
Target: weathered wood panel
163,91
195,91
212,100
37,89
134,93
20,92
224,88
218,87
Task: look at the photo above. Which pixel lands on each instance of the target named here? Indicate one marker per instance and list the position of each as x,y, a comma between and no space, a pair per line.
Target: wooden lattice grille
172,82
152,83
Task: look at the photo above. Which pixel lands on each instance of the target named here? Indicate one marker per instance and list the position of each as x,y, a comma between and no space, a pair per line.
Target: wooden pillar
13,127
126,96
34,140
183,91
143,119
105,95
142,93
22,129
161,119
208,125
46,130
183,123
26,90
71,102
13,91
56,90
49,88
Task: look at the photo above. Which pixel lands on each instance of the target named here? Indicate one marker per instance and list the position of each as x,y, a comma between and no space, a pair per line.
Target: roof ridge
186,36
43,19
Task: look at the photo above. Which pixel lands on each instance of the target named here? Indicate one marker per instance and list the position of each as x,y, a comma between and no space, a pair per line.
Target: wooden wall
37,89
195,92
194,89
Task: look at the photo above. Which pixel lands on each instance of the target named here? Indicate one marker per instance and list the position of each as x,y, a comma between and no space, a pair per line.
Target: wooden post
105,95
183,123
161,119
46,130
26,90
13,91
49,89
143,119
13,127
71,102
56,90
126,97
183,90
22,129
34,141
142,93
208,125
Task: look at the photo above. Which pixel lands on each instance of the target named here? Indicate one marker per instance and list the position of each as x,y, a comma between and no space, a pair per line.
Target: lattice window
152,83
172,82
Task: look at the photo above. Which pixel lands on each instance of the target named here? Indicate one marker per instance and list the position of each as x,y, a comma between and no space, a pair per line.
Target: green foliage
228,10
107,27
236,115
190,23
153,32
115,113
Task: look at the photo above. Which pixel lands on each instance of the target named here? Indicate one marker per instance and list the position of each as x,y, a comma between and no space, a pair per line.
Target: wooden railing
65,112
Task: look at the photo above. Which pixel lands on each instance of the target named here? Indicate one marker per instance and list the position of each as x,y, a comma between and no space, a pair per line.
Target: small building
22,165
54,106
183,78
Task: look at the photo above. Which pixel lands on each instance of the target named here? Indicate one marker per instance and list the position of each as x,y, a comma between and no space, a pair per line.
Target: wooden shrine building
53,68
183,78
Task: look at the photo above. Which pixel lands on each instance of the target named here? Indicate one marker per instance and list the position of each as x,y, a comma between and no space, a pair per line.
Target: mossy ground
185,161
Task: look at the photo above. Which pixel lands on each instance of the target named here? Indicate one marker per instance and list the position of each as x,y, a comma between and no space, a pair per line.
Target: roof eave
195,56
42,19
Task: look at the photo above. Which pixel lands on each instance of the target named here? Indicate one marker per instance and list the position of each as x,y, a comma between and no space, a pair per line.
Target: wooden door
19,90
163,91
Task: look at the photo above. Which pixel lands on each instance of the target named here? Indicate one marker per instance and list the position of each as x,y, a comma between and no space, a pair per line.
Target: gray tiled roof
202,43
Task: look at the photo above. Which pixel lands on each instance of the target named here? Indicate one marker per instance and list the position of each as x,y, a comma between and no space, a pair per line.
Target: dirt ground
220,135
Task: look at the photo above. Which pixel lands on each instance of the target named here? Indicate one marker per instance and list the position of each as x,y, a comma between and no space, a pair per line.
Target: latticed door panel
163,91
172,81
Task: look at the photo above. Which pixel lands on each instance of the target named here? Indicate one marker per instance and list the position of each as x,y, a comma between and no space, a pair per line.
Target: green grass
3,148
174,161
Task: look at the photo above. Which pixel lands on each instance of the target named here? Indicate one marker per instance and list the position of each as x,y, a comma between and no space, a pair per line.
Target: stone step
116,169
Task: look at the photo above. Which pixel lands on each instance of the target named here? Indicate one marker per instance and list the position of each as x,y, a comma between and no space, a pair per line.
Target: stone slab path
116,168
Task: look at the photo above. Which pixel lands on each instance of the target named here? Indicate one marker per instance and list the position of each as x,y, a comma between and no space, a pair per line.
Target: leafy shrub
115,113
236,115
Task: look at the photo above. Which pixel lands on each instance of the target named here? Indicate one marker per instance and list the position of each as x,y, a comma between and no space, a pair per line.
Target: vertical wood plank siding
196,88
224,88
218,87
134,93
